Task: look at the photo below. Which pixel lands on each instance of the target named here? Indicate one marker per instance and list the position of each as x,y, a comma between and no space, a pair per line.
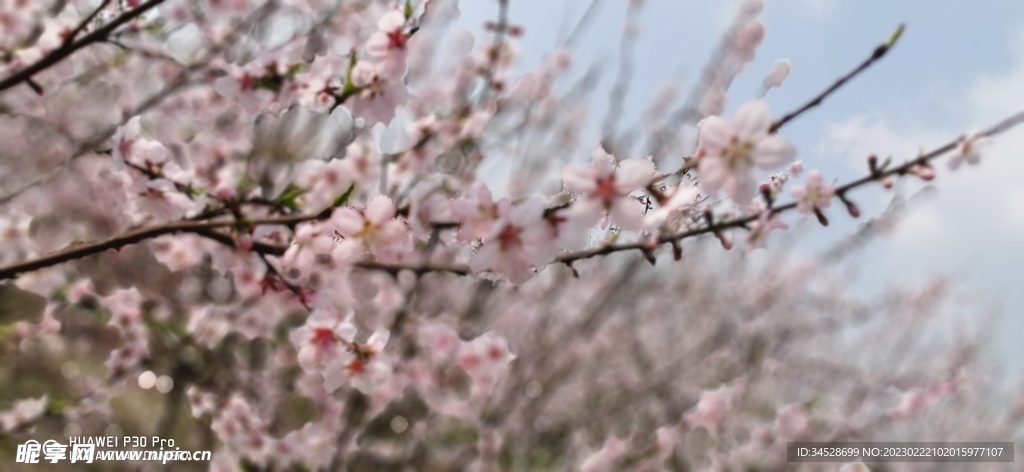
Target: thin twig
495,53
295,289
875,56
585,20
745,221
84,23
68,49
645,246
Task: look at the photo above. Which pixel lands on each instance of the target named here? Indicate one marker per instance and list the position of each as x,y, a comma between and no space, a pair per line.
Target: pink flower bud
924,171
777,74
225,193
853,209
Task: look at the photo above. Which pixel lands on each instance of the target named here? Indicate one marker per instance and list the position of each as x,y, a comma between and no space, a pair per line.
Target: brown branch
743,222
83,250
295,289
495,53
68,49
198,227
84,24
205,228
875,56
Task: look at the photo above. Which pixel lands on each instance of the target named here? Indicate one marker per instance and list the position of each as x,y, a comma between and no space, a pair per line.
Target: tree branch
84,23
67,49
903,169
205,228
875,56
198,227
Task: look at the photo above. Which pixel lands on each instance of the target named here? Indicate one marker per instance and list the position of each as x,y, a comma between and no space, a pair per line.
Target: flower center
509,237
324,338
737,154
812,194
357,366
606,189
397,39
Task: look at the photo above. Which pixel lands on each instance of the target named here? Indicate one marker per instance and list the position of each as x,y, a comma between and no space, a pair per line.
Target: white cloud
818,8
974,228
862,135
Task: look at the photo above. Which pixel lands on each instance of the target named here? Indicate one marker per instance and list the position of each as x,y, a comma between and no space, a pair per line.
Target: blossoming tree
261,227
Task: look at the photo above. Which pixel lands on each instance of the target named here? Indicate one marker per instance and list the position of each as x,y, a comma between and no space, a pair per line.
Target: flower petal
585,213
740,187
346,330
578,178
604,163
378,340
712,172
528,212
483,194
486,257
380,210
773,152
346,221
753,119
627,213
715,133
633,174
517,271
391,21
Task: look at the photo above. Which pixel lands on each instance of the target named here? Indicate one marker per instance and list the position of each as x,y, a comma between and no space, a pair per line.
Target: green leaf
885,164
292,413
291,192
288,196
895,36
244,185
274,83
408,9
343,198
20,305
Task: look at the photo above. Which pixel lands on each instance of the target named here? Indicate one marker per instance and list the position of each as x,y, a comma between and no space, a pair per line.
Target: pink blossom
604,188
712,408
243,430
160,201
23,412
813,195
916,400
364,367
375,228
378,95
682,200
605,459
130,145
485,355
519,240
387,45
746,40
792,421
242,86
767,221
776,182
968,149
324,337
777,74
795,169
311,241
476,218
732,149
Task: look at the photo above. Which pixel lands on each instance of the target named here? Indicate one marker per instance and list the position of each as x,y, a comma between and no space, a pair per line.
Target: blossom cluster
285,216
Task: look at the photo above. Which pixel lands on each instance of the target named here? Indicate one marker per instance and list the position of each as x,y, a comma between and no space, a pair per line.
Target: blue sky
959,66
